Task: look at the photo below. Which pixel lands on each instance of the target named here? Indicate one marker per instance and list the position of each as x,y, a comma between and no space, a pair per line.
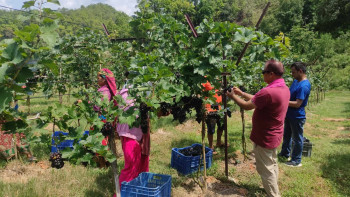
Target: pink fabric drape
135,162
108,75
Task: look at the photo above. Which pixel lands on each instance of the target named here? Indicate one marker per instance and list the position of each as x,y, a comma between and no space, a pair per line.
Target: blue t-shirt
299,90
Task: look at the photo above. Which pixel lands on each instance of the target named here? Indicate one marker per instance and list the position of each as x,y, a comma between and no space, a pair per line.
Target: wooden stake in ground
28,103
244,144
14,140
60,96
224,100
203,148
112,146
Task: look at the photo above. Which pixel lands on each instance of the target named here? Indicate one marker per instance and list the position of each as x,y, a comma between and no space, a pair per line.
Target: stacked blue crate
189,164
147,184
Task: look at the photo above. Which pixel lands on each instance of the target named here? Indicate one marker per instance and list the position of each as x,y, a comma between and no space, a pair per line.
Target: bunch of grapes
56,160
188,103
178,113
107,129
177,77
197,104
193,151
144,117
165,108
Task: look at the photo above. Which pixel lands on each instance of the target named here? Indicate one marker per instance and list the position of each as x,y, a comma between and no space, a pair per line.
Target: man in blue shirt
295,118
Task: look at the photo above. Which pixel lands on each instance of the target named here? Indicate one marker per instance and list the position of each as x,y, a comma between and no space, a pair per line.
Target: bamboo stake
14,140
224,100
69,90
59,91
28,103
112,146
244,144
203,148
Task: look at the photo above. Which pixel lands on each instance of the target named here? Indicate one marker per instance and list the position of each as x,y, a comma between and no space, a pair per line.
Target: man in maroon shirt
270,104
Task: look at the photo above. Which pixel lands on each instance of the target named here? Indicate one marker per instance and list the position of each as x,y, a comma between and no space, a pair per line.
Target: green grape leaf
3,70
54,1
50,65
49,34
24,74
28,33
5,98
12,52
67,154
129,116
110,157
28,4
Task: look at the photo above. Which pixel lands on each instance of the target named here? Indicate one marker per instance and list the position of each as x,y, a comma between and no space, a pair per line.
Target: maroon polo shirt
268,117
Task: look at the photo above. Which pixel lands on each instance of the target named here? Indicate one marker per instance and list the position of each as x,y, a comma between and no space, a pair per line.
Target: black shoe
293,164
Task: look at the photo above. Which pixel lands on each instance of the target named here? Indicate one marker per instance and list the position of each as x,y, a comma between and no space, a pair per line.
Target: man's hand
230,93
295,104
234,95
237,91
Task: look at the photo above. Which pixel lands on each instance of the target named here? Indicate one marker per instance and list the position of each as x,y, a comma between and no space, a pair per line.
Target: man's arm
295,104
246,105
244,95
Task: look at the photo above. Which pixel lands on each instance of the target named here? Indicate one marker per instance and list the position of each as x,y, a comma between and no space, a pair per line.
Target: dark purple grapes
56,160
185,106
107,129
193,151
144,117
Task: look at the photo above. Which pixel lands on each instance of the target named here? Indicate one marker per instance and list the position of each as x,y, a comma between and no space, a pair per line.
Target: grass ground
325,173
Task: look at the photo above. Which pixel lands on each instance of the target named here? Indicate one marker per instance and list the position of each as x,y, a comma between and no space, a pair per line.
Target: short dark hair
299,66
275,67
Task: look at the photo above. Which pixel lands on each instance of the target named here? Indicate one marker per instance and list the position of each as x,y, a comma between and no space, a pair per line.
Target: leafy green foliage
164,65
19,58
85,116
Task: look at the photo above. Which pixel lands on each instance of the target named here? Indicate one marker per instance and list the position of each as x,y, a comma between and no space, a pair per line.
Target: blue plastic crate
147,184
64,144
189,164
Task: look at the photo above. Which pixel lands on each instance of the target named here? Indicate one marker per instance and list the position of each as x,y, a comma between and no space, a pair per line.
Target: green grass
41,104
325,173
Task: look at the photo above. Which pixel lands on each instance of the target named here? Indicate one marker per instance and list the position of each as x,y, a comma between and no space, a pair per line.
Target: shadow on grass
253,190
337,170
346,109
104,185
342,142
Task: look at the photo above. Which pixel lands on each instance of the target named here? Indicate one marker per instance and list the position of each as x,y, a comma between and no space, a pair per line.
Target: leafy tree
175,8
93,16
332,15
10,21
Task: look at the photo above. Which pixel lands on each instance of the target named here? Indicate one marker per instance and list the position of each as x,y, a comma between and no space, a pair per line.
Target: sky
127,6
